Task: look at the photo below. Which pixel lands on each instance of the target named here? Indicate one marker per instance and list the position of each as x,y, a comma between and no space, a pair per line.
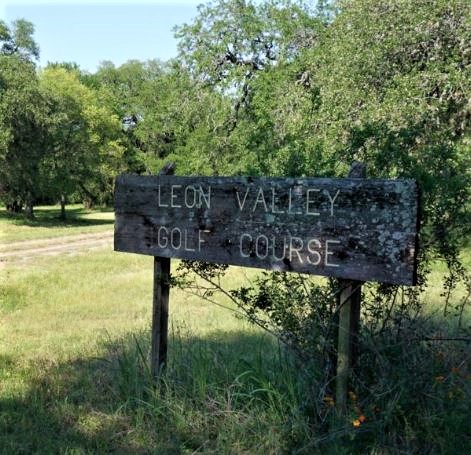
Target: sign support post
160,302
349,315
349,321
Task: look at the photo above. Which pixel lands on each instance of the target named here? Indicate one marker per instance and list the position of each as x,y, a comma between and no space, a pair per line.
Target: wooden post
160,305
160,315
349,321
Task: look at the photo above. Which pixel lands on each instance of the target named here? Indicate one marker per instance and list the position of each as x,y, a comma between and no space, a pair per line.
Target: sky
88,32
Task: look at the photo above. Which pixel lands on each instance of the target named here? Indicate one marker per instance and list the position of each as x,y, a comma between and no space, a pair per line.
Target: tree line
277,88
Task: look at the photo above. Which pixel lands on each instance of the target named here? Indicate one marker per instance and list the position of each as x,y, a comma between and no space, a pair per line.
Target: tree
83,148
386,83
124,90
23,133
182,121
240,50
395,84
162,111
18,39
22,117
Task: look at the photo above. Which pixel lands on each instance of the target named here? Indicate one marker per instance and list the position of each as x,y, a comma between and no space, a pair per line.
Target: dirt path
71,244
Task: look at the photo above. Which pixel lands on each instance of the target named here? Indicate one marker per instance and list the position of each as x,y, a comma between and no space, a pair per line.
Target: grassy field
73,371
74,341
71,327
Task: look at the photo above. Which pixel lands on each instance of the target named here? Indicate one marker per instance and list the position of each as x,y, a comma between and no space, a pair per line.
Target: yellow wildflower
329,401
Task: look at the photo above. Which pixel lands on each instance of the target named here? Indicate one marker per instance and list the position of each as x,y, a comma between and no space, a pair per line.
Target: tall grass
73,366
74,376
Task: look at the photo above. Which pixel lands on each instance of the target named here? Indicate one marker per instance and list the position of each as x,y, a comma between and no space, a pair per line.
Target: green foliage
242,50
395,83
56,139
23,130
301,311
18,39
230,41
386,84
83,149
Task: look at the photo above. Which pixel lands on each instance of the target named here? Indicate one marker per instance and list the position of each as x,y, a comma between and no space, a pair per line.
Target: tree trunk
88,203
14,207
88,199
29,213
62,216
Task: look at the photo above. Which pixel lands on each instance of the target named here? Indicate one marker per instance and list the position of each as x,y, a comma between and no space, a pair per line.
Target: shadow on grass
50,217
108,404
229,393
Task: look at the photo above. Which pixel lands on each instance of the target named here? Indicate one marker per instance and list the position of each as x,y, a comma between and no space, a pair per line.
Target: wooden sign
360,229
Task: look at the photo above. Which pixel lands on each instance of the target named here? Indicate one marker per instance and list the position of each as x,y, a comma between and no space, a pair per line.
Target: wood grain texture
360,229
160,310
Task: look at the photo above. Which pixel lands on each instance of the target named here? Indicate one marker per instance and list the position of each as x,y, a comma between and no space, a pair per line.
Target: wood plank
350,228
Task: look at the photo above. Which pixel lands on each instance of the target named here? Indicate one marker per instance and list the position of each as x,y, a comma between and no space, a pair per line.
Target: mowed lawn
14,228
74,344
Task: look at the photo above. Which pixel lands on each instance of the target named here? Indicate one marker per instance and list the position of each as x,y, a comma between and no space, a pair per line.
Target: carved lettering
347,228
313,247
329,253
332,200
190,201
174,196
242,204
260,200
309,201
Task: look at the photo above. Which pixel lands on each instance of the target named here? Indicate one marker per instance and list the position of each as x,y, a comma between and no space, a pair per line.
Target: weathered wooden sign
358,229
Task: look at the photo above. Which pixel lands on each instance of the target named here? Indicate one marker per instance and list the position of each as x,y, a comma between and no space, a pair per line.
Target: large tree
22,117
125,90
247,53
394,80
164,114
385,82
23,131
83,147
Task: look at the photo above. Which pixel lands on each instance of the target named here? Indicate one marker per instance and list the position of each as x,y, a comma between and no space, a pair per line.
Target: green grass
47,224
73,355
74,379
